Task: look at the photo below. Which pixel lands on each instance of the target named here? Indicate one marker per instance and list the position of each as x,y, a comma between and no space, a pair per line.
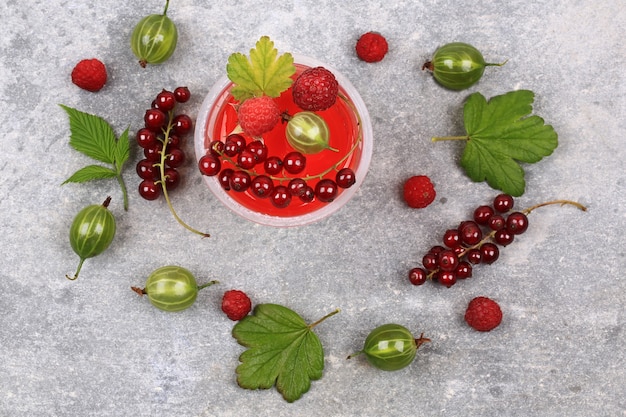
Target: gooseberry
172,288
91,232
391,347
308,133
154,38
458,65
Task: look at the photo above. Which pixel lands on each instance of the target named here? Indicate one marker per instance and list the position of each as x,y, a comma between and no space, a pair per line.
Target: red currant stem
421,340
440,138
332,313
208,284
166,133
561,202
80,265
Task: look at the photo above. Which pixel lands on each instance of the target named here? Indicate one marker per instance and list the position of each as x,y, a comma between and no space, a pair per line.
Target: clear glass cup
356,122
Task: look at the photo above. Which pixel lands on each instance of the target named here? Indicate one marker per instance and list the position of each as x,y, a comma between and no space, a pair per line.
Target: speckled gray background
93,348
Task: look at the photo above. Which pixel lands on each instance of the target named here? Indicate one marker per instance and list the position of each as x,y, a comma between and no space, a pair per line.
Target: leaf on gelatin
500,134
282,350
263,73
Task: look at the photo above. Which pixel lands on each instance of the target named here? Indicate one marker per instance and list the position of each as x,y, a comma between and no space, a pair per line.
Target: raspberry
371,47
419,192
258,115
90,75
315,89
236,304
483,314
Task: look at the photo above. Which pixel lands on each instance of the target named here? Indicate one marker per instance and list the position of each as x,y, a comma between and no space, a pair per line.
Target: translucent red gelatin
345,132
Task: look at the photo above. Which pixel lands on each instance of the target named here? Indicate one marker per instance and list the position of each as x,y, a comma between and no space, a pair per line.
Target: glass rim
219,91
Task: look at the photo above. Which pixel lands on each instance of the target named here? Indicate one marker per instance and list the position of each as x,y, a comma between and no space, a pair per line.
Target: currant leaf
282,350
264,73
500,134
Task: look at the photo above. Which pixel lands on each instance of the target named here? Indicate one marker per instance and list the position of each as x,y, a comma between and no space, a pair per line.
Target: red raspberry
483,314
236,304
258,115
419,192
315,89
371,47
90,75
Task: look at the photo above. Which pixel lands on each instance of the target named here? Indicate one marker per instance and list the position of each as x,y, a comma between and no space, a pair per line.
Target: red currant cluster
160,139
472,242
278,180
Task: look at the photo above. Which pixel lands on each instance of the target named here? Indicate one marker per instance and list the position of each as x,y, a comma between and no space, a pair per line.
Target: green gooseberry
391,347
172,288
92,232
307,132
458,65
154,38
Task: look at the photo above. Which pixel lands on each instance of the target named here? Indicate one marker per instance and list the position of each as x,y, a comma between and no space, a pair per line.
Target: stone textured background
93,348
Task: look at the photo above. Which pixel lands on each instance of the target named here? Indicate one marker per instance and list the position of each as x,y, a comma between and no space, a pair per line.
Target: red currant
153,153
297,186
273,165
307,195
452,238
173,142
496,222
482,214
182,124
146,170
280,196
246,159
470,233
165,101
146,138
326,190
447,260
234,144
345,178
430,261
517,223
154,119
446,278
489,252
209,164
503,237
149,189
262,186
224,178
417,276
240,181
182,94
258,149
216,147
172,178
175,158
294,162
463,270
503,203
474,256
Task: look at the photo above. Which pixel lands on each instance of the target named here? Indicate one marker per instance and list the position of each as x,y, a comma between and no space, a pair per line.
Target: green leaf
265,73
90,173
500,134
282,351
91,135
122,150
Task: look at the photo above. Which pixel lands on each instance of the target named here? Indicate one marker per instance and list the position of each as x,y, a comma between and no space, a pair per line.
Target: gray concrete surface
92,347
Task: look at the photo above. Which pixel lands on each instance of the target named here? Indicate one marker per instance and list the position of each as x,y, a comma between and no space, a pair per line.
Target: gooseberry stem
167,3
166,133
80,265
208,284
492,64
332,313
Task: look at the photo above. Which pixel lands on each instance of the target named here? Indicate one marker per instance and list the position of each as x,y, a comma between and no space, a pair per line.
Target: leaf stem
440,138
332,313
120,180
